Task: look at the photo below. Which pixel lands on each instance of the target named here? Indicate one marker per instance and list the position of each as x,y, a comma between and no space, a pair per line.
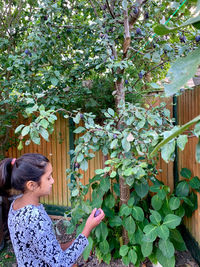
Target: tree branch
110,10
135,50
127,40
160,64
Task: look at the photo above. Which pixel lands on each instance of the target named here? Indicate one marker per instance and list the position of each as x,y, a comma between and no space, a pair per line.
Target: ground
7,258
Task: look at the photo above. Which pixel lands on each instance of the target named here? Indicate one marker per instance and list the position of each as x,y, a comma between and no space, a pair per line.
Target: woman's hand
92,222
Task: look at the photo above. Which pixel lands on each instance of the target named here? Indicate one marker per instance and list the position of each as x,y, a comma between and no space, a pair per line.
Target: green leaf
54,81
80,157
177,240
128,172
124,250
129,225
162,194
167,151
163,232
80,129
116,221
147,248
187,201
195,183
125,260
167,248
84,165
131,201
18,129
132,255
44,133
126,145
162,29
181,141
138,213
150,231
124,210
174,203
113,174
87,250
172,221
142,189
44,123
77,118
101,231
111,112
75,192
186,173
104,247
109,201
182,189
164,261
114,143
175,235
35,137
156,202
25,130
197,129
181,71
105,184
198,152
155,217
107,258
99,171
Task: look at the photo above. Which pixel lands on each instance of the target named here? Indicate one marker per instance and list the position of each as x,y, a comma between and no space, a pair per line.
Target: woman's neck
26,199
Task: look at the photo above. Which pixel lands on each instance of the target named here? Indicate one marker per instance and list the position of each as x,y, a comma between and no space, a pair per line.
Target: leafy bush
151,217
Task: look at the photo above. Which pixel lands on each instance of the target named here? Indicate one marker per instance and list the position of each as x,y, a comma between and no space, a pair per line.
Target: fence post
175,116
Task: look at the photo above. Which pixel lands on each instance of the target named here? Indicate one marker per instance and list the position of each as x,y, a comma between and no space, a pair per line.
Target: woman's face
46,181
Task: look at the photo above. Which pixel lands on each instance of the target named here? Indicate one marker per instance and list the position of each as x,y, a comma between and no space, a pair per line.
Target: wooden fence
57,151
189,107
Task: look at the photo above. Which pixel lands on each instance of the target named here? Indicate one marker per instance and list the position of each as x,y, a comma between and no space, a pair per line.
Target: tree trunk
124,197
124,188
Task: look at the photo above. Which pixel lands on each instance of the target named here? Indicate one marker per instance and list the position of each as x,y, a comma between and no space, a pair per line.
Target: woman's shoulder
31,212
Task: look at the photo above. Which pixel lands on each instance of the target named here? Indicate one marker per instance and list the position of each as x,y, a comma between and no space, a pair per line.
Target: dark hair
29,167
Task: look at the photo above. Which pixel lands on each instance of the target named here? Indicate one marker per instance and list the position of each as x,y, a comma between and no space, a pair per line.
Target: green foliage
152,215
154,235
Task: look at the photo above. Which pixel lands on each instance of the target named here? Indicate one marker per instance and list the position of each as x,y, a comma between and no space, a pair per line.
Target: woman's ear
31,185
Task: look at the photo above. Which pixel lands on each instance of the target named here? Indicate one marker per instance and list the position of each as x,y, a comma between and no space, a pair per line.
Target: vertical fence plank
189,108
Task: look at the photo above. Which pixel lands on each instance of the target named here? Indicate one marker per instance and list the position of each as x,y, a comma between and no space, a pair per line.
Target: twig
135,50
110,10
95,11
150,71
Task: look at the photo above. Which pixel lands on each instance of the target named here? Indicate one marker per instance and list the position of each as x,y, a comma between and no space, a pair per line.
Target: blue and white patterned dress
34,241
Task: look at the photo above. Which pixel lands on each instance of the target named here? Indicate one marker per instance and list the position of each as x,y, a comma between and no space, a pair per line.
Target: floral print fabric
34,241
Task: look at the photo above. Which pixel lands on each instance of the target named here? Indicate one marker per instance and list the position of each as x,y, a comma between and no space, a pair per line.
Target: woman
30,227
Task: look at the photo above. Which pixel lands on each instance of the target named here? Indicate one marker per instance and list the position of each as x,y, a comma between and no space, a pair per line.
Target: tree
57,46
